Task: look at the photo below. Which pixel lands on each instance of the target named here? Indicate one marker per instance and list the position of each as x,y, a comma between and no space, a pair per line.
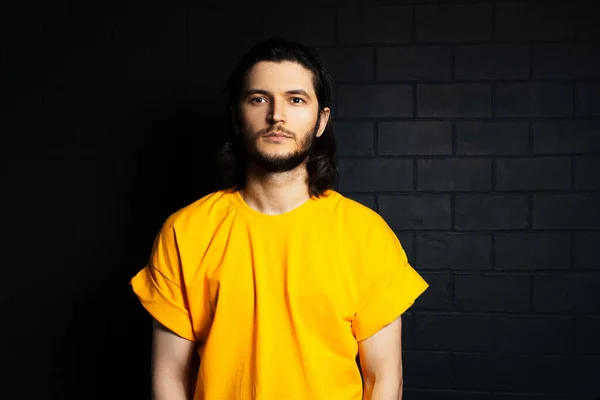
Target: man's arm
381,363
171,359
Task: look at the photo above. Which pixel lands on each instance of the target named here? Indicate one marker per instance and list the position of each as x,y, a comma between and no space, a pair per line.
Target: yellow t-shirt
277,303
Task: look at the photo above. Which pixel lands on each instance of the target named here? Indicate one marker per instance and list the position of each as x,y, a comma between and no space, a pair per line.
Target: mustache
272,129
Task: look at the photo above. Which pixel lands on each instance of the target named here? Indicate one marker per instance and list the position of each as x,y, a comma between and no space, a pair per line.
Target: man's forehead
280,76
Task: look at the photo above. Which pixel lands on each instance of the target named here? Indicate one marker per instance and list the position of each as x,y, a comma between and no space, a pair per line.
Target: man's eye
257,99
297,100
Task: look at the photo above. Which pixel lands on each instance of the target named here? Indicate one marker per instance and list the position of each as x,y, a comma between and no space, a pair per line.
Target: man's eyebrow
298,91
256,91
252,91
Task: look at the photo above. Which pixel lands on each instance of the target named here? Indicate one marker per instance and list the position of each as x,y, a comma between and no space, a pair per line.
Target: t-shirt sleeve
160,285
392,284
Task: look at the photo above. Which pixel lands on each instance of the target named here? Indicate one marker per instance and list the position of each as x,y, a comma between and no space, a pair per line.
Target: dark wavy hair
321,166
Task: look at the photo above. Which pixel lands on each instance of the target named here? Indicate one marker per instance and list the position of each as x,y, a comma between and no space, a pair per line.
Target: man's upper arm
170,353
172,372
381,354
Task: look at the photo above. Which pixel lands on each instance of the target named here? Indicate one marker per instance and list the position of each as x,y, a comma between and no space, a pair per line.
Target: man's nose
277,111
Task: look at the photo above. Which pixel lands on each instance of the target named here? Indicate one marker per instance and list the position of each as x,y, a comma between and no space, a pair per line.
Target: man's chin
278,163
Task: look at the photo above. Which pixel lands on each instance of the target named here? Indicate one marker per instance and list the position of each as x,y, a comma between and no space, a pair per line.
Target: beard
285,162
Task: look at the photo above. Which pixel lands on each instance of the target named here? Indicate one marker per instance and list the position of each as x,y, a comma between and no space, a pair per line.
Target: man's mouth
277,134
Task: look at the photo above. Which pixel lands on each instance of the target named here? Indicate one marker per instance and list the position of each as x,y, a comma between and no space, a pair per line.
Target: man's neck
275,193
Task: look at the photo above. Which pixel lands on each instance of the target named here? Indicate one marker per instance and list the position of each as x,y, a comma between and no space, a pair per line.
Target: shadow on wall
105,343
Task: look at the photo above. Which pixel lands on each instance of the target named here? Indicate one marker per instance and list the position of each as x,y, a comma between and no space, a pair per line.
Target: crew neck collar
304,208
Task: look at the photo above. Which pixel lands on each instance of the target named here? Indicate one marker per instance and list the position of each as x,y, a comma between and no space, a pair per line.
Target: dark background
472,127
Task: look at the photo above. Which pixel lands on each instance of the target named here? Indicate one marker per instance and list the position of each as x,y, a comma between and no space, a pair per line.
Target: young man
279,282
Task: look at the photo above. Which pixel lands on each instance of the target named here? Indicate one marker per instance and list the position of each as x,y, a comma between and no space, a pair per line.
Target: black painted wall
472,127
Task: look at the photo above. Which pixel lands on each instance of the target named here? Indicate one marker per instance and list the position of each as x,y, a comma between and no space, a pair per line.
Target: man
279,282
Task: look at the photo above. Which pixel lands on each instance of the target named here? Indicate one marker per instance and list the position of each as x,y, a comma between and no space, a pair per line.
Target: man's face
279,115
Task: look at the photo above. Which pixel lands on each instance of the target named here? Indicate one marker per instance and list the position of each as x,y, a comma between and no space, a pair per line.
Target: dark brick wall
472,127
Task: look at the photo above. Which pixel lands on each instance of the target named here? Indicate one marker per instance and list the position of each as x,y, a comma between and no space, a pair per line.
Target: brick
438,295
566,211
471,371
413,63
530,21
549,173
354,138
587,172
366,175
492,62
573,293
348,64
428,394
588,99
456,251
587,331
369,25
469,175
566,61
383,2
566,137
407,243
408,330
154,46
453,23
454,100
308,2
531,396
415,211
523,373
533,335
492,138
309,25
534,99
533,251
357,2
150,46
27,175
587,22
585,251
491,212
428,370
462,332
334,102
415,138
364,199
485,292
384,101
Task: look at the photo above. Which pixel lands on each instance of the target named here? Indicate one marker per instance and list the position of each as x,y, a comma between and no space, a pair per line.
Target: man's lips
277,134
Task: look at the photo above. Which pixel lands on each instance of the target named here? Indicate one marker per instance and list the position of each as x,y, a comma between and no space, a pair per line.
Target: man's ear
324,115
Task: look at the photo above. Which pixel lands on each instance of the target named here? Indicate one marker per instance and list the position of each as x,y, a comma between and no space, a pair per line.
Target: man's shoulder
355,212
364,230
203,210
